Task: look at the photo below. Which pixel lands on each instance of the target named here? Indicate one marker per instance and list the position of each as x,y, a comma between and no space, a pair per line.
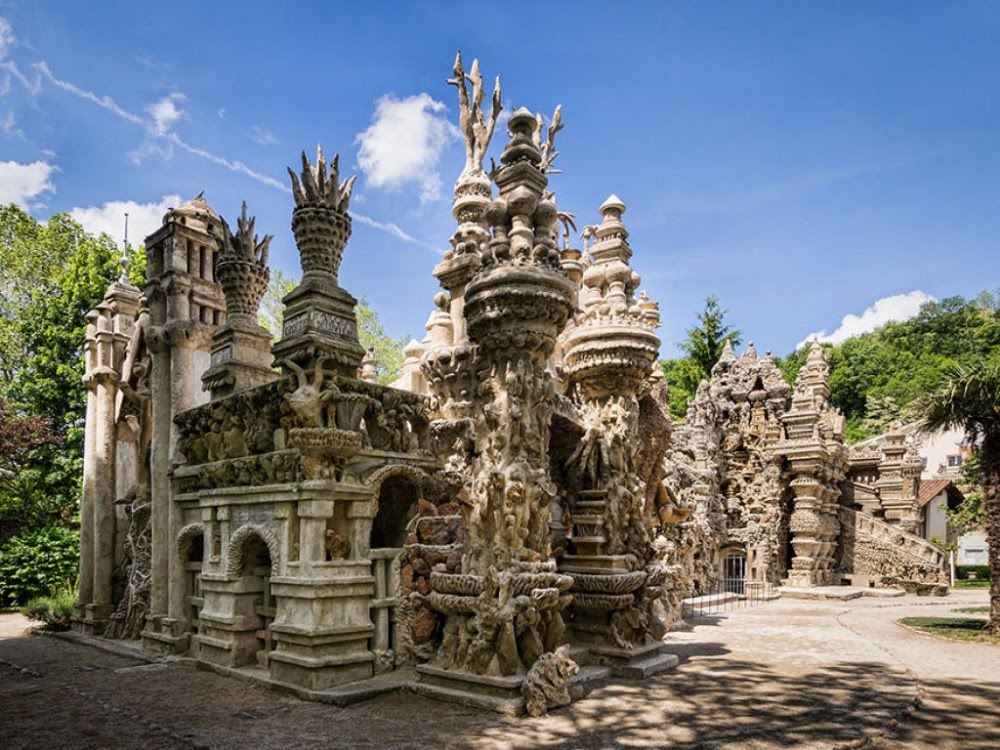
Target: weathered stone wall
434,544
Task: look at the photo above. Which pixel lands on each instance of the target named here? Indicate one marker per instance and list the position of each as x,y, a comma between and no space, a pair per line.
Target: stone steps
647,667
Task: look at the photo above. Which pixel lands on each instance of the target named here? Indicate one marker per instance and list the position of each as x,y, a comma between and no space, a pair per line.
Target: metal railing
728,594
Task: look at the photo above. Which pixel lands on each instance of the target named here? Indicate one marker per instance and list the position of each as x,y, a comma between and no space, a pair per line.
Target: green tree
704,342
970,514
51,275
703,345
388,351
879,377
969,398
272,309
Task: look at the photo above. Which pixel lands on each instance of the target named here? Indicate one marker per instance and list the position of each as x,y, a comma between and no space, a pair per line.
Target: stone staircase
870,547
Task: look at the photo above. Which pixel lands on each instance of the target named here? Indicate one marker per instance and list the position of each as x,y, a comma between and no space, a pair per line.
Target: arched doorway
734,571
253,564
193,562
396,496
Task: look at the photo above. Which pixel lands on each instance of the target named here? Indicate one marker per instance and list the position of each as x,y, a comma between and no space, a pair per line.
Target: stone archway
191,551
236,560
394,490
253,558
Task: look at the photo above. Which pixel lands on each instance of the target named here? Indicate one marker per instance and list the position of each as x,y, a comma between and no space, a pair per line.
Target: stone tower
186,305
813,447
109,330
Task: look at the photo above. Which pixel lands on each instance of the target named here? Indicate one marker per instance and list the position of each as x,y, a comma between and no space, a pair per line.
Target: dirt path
787,674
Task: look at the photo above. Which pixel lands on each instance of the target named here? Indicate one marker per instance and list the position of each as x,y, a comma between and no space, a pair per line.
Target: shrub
982,572
37,563
54,612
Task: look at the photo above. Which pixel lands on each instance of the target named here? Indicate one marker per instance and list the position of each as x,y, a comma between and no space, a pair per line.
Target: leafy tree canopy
703,345
51,275
878,378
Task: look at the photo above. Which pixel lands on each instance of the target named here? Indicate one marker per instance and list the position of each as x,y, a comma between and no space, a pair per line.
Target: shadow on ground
73,696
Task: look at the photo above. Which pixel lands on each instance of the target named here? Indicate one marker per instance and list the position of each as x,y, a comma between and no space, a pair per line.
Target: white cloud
896,308
165,112
165,142
221,113
404,144
24,183
143,218
263,137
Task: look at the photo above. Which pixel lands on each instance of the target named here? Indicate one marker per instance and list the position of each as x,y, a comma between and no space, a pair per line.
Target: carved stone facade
517,517
760,474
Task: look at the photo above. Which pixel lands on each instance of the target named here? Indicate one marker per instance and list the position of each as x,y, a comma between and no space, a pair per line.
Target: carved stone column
609,354
186,304
504,612
813,446
108,330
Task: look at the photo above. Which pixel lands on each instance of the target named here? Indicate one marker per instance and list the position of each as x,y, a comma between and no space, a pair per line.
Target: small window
954,462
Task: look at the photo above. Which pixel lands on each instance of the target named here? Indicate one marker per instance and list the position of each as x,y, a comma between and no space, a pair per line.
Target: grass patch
972,584
955,628
974,610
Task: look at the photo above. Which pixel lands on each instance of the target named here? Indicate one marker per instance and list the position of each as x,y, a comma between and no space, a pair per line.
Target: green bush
982,572
54,612
37,563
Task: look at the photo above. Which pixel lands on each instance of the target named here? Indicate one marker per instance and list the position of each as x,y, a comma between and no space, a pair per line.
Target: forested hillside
877,378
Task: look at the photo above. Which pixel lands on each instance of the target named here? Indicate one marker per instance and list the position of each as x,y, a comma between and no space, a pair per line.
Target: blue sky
800,160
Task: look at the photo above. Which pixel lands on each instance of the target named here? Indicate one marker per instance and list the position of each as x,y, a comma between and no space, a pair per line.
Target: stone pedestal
489,692
166,636
322,626
320,322
229,624
241,359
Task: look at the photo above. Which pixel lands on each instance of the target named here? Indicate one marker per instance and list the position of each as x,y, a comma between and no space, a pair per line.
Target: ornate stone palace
517,516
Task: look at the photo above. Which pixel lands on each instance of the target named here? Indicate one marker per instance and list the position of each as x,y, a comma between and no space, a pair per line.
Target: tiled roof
931,488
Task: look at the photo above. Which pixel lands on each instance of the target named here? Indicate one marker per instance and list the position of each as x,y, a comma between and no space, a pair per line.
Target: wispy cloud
105,102
756,196
896,308
404,144
8,125
32,180
24,184
395,231
262,136
6,38
148,61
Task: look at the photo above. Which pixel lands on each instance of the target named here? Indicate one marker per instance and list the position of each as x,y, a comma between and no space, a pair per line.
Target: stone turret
447,357
609,355
813,446
109,330
241,349
186,305
509,597
320,322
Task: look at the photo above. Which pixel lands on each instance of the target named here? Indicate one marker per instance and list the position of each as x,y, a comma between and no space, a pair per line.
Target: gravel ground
784,674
